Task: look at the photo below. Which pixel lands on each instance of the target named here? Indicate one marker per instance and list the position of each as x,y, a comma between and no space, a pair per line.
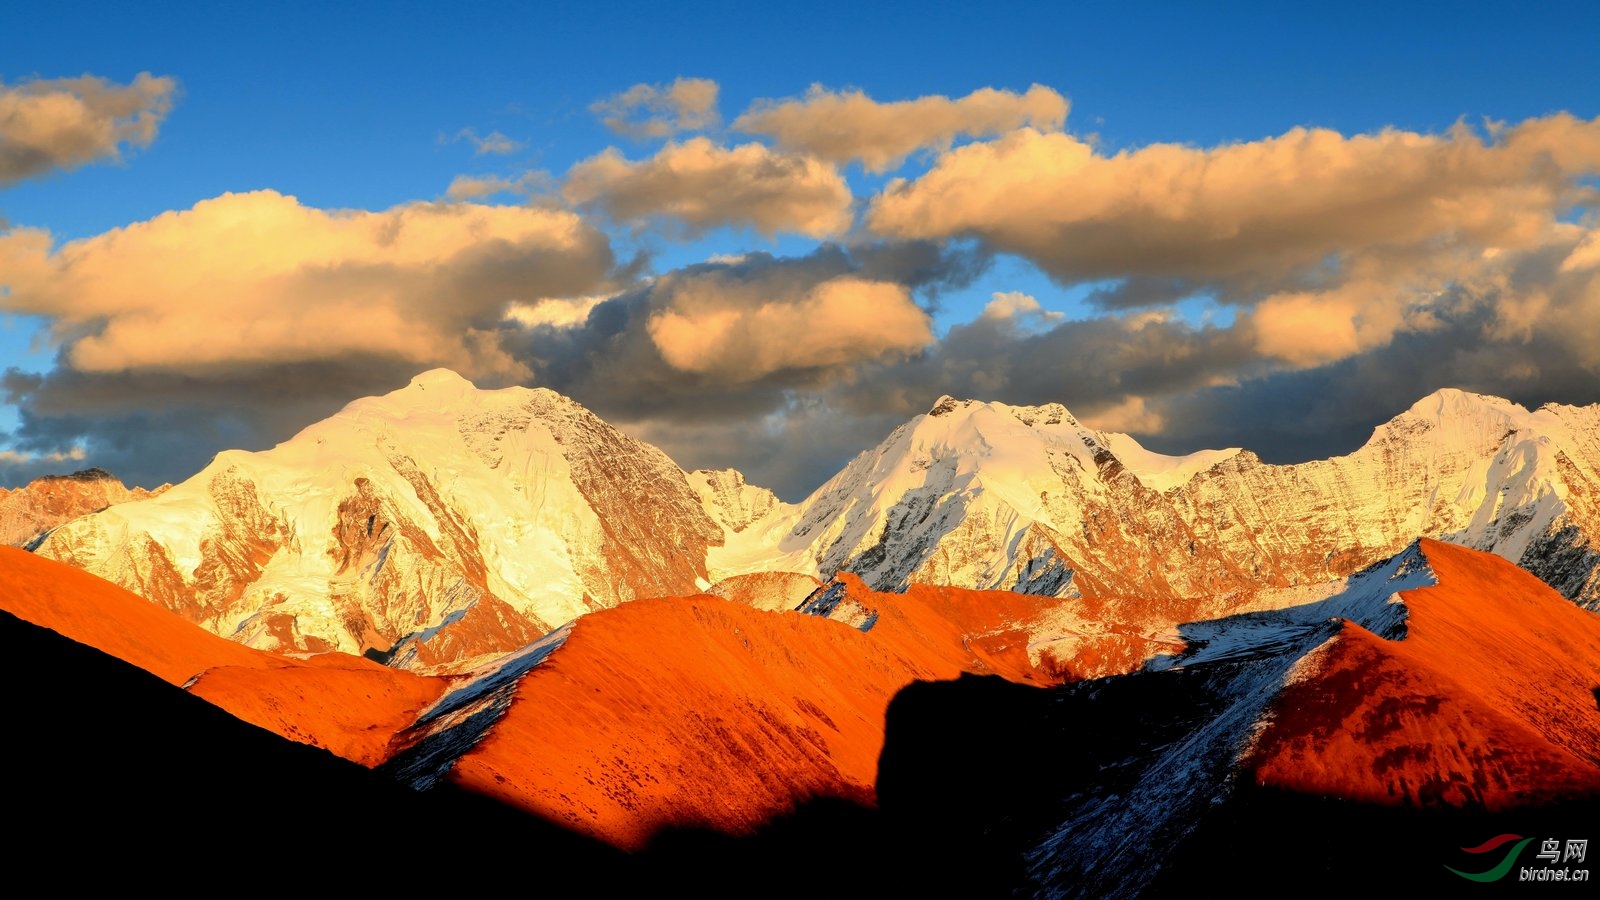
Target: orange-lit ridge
348,705
679,711
1488,702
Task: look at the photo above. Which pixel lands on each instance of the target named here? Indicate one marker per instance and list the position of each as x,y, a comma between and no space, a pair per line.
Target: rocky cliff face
408,520
28,513
729,500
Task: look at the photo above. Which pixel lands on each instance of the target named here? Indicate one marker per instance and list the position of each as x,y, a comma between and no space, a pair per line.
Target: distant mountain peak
30,512
986,495
94,473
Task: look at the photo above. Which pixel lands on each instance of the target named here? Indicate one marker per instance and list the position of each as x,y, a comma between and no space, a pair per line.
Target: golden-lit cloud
18,467
1536,306
711,339
702,185
1015,305
658,111
741,330
476,187
1535,294
558,312
1325,282
1586,255
845,126
63,123
1312,329
13,458
259,279
493,143
1251,213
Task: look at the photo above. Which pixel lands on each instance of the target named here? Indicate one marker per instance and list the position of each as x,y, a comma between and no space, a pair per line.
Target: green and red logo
1550,852
1500,871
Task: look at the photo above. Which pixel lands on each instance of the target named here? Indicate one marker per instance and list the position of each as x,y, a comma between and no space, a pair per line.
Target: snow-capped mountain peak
985,495
400,514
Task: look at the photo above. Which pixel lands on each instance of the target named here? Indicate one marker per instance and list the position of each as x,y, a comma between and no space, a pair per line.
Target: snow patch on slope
1160,472
1370,598
457,721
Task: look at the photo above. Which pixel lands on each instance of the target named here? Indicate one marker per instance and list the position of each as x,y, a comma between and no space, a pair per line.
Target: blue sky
363,107
343,104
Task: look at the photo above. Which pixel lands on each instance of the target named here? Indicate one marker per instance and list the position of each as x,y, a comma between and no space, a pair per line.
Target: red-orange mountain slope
348,705
1489,702
701,712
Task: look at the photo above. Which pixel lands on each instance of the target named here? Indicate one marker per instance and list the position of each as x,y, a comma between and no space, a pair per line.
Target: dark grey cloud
792,446
149,428
1142,292
1295,416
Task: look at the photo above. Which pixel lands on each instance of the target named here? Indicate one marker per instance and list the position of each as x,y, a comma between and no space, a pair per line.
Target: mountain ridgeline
442,523
28,513
985,495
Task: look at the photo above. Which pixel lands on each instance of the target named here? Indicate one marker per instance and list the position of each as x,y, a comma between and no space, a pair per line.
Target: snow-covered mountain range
985,495
442,522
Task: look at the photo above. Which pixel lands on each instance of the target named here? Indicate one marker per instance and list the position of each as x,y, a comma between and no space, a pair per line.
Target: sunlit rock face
28,513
